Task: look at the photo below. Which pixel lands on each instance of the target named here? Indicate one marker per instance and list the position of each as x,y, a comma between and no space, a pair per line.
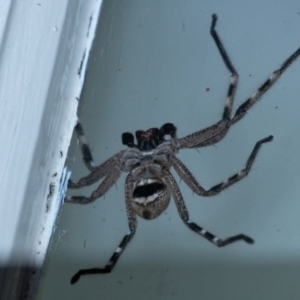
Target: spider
150,184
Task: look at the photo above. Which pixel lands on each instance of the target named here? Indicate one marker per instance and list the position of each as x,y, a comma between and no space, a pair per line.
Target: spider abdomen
150,198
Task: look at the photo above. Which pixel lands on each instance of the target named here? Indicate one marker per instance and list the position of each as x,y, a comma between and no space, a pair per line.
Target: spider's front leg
190,180
132,223
110,170
183,212
217,132
99,172
102,189
84,147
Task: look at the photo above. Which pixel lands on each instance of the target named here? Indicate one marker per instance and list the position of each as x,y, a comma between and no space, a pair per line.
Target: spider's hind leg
215,240
113,260
184,215
84,147
132,222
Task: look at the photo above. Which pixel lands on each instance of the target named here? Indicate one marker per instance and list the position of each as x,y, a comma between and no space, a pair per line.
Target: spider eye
128,139
147,140
168,129
139,133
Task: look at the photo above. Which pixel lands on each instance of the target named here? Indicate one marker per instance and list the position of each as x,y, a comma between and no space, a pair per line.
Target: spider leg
216,240
84,147
234,75
181,207
98,172
132,222
105,185
244,107
215,133
113,260
205,137
190,180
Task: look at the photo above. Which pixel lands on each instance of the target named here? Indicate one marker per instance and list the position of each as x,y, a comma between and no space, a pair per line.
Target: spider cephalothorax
149,184
149,139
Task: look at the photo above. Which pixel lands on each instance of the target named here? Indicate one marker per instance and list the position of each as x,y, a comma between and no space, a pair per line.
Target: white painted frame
44,50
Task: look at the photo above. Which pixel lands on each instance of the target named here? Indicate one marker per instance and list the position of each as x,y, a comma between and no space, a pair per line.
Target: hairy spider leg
244,107
184,215
213,134
84,146
191,181
132,223
109,180
234,75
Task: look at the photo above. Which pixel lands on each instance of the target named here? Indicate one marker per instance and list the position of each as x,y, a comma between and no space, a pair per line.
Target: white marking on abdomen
145,200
